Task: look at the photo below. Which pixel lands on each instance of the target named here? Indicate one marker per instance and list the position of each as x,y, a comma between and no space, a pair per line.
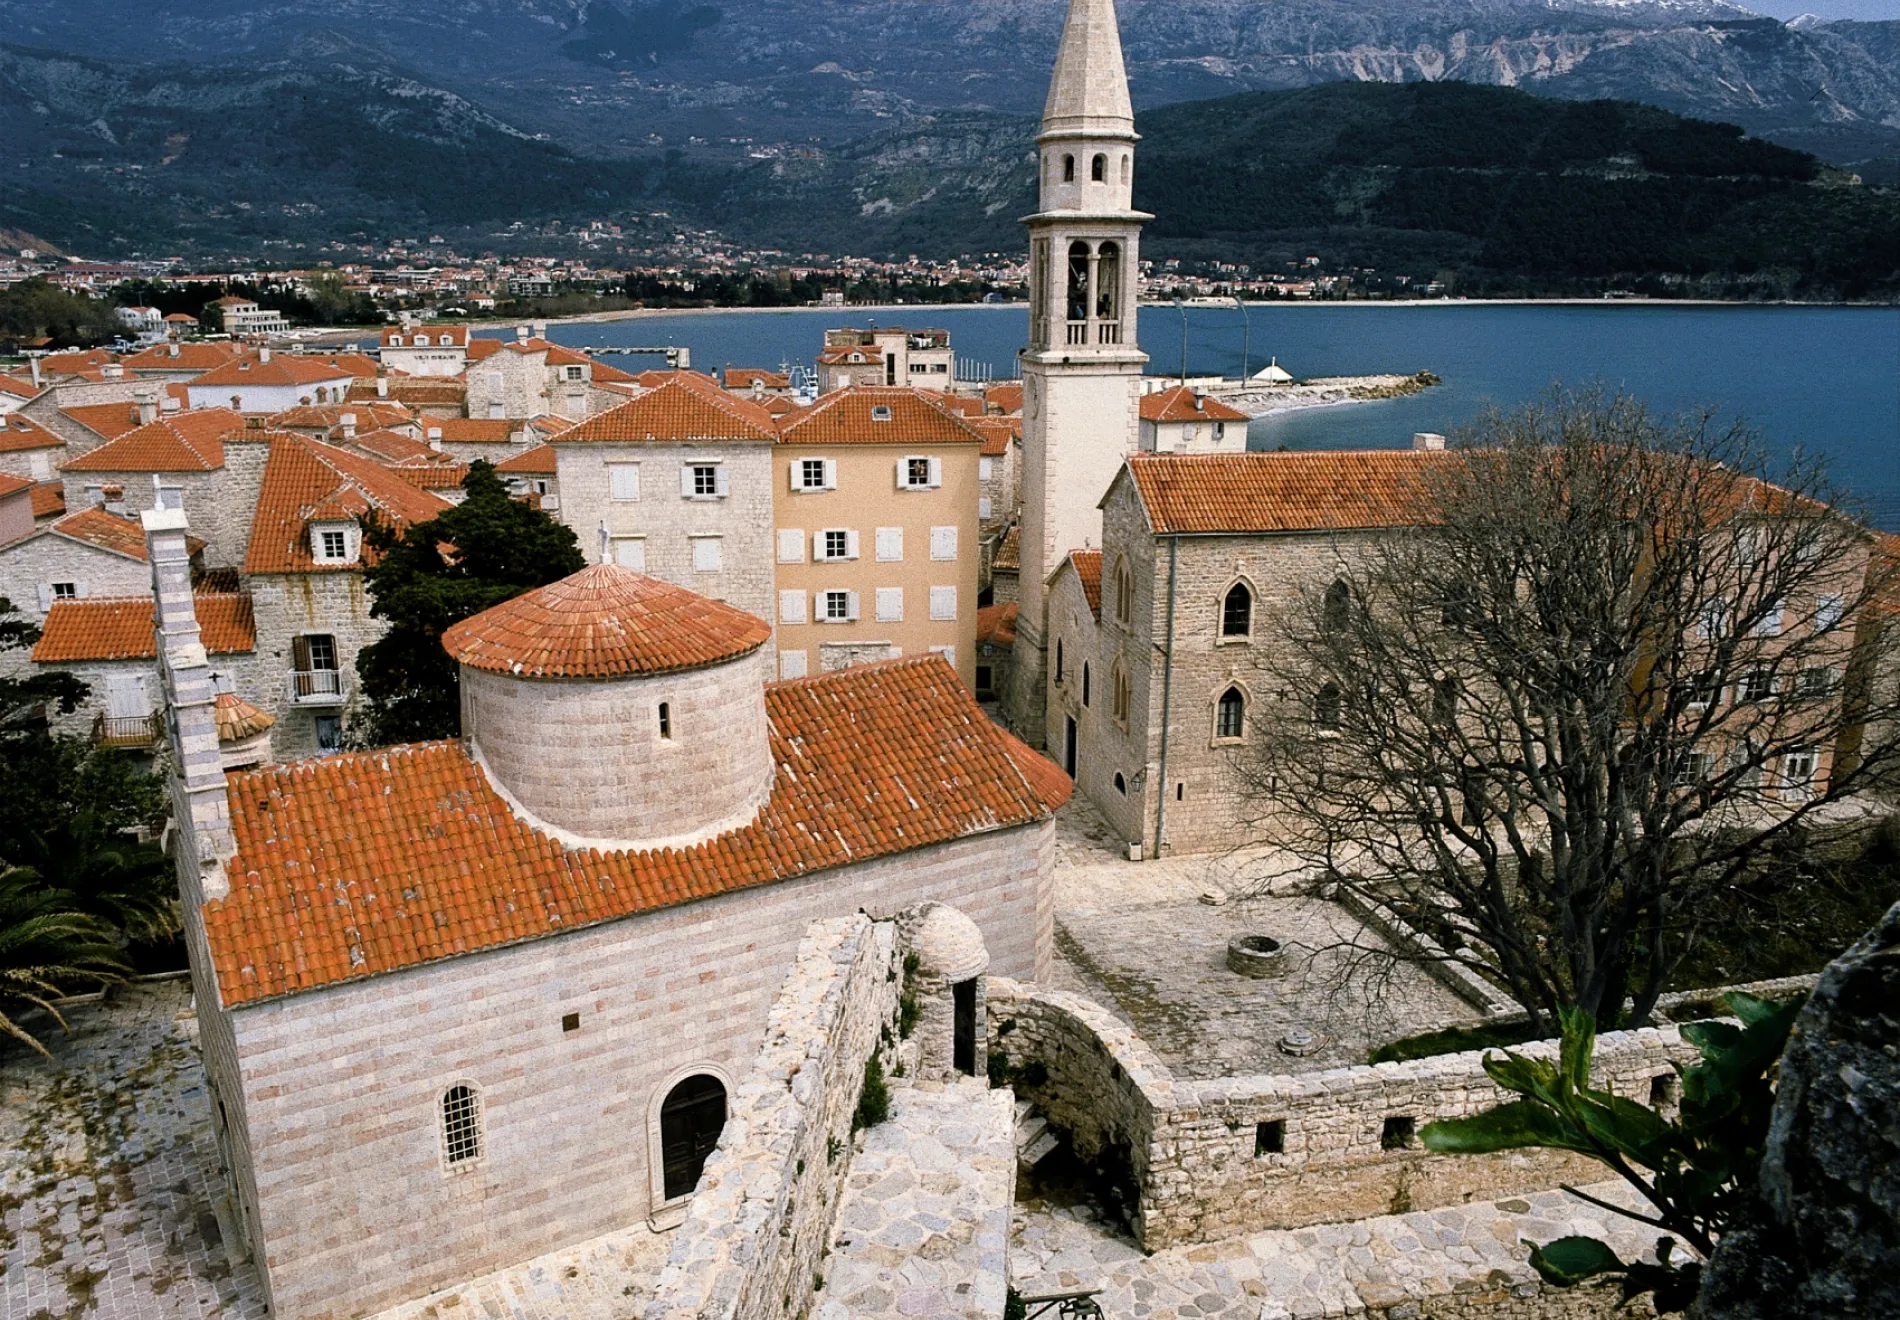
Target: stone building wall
355,1206
668,521
214,520
762,1215
287,605
1225,1157
29,568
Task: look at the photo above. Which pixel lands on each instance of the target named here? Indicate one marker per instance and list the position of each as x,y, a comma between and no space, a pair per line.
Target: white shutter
850,545
936,473
81,590
791,608
719,481
818,548
831,474
46,596
624,479
791,546
943,543
943,603
890,545
706,556
983,507
851,606
686,480
983,468
890,604
791,664
794,472
631,552
903,474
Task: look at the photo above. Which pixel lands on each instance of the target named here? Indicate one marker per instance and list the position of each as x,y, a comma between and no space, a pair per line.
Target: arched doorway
690,1121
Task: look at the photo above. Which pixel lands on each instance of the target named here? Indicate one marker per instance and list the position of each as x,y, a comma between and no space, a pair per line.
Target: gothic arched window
1338,607
1108,282
1329,707
1230,715
1236,611
1078,281
461,1125
1124,592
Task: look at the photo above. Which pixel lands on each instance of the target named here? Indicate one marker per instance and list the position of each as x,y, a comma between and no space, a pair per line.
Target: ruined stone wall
761,1217
1224,1157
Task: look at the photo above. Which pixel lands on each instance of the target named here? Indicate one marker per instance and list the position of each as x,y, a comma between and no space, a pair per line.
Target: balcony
317,687
1078,332
131,732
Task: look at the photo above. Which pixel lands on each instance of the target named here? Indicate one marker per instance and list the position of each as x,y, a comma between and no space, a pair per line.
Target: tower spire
1088,93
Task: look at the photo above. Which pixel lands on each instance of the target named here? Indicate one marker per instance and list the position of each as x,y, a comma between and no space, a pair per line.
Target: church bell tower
1082,368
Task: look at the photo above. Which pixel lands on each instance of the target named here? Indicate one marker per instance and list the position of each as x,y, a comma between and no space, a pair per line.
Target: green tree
47,950
35,309
1697,1172
103,872
431,576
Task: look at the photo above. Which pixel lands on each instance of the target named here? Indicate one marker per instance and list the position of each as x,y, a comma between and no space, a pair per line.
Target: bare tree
1610,669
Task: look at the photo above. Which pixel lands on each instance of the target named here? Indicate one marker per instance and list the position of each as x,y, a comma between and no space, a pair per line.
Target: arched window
1124,592
1338,607
1108,282
666,720
1058,659
1085,682
1119,677
461,1125
1328,707
1121,785
1230,715
1236,611
691,1119
1068,169
1128,169
1078,281
1098,169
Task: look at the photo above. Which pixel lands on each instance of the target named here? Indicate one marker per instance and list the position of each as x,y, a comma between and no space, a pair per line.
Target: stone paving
1327,1270
923,1225
110,1191
1136,937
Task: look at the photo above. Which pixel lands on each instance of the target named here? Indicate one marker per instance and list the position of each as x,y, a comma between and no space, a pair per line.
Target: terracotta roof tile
1178,405
369,415
394,448
1004,398
416,391
1088,571
305,479
18,433
12,485
850,417
194,356
49,499
121,628
282,369
402,336
237,718
181,442
996,624
106,531
602,622
357,865
432,476
1317,490
998,433
359,366
851,355
1009,551
17,386
743,378
475,430
674,410
537,462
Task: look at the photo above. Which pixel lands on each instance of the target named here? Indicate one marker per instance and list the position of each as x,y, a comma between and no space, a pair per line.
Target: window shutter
46,597
300,653
831,474
791,607
890,604
793,472
791,546
936,473
943,543
983,507
851,545
81,590
791,664
902,473
719,481
817,547
686,479
851,606
625,480
890,544
943,603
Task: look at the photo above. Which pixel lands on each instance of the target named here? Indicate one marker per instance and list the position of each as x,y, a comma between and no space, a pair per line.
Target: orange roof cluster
851,355
473,430
16,386
122,628
605,622
996,625
1313,491
359,366
17,434
12,485
305,479
1004,398
195,356
430,336
358,865
674,410
432,476
416,391
1182,404
536,462
876,415
179,442
395,449
281,369
329,416
744,378
1088,571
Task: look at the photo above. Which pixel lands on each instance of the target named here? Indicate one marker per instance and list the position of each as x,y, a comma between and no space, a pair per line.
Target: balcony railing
316,687
129,731
1078,332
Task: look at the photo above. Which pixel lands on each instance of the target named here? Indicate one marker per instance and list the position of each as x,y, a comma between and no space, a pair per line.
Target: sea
1814,380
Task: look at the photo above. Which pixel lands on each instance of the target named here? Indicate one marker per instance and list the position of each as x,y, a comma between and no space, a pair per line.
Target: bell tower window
1098,169
1068,169
1108,293
1079,263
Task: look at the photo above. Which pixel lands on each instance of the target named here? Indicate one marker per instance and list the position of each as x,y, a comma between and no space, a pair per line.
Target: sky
1861,9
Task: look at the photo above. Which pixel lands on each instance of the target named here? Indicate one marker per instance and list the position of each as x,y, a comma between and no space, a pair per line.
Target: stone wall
1224,1157
286,606
761,1218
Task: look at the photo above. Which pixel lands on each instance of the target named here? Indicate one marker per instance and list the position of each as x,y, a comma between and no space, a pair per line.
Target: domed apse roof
238,719
948,944
605,622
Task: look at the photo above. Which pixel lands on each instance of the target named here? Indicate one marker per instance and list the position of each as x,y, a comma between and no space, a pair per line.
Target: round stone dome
949,945
605,622
617,711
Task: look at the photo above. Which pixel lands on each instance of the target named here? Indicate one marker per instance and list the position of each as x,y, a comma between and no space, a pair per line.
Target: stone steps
1034,1138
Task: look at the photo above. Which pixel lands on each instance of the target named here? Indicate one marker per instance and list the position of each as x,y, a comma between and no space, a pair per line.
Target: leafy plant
908,1013
103,873
1696,1172
47,950
874,1101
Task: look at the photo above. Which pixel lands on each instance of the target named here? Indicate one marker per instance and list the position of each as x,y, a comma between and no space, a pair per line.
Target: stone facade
360,1194
665,525
334,604
522,381
1216,1158
30,569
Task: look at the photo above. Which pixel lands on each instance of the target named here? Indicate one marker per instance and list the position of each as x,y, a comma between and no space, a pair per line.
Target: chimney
263,353
435,438
1200,399
382,387
348,422
540,329
113,497
205,842
522,333
172,350
169,404
35,363
1423,441
148,407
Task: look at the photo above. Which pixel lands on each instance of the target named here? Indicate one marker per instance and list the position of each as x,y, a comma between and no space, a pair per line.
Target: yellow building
875,514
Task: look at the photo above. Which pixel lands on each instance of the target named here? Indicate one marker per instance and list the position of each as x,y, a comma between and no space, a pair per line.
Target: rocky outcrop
1823,1239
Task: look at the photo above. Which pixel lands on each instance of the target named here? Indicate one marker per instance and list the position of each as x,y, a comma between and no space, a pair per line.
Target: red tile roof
675,410
845,417
305,478
997,433
196,356
49,499
107,531
12,485
329,416
359,366
121,628
604,622
742,378
82,360
17,434
16,386
1318,490
1004,398
474,430
433,476
996,624
393,447
963,405
416,391
396,336
852,355
1009,551
282,369
538,462
1088,571
180,442
237,718
357,865
1178,405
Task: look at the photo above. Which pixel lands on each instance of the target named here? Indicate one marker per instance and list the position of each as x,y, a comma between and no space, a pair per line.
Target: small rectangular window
943,603
573,373
943,543
666,721
837,606
1828,612
811,474
1769,625
461,1125
880,412
1817,681
65,591
831,545
332,545
329,734
706,556
890,604
1269,1138
1756,685
570,1022
702,481
321,650
890,545
623,480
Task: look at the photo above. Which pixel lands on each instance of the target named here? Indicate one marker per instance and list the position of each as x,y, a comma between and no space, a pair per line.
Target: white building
269,383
